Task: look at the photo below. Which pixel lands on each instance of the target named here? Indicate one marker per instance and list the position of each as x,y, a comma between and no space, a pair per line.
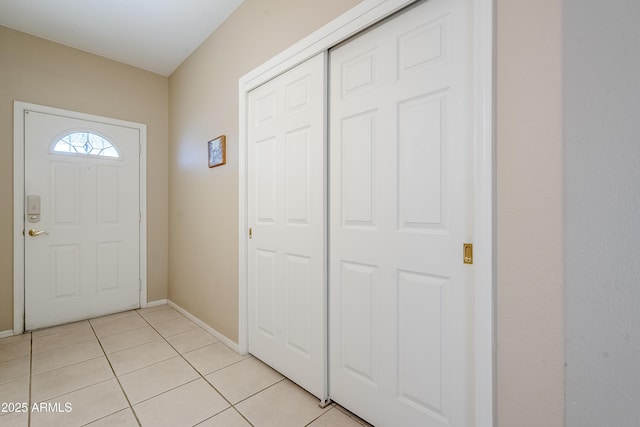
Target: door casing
19,109
362,16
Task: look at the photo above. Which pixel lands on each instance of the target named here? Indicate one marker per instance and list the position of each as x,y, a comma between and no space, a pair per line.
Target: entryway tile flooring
149,367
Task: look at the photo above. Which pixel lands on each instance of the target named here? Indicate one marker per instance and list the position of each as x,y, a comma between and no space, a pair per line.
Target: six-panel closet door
400,307
286,210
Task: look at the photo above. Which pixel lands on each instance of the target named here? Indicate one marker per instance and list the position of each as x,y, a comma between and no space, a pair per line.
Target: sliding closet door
401,333
287,205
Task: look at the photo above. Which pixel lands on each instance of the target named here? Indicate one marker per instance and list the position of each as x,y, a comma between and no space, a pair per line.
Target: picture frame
217,151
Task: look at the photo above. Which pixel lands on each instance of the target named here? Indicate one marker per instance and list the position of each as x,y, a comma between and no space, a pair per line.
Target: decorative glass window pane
86,143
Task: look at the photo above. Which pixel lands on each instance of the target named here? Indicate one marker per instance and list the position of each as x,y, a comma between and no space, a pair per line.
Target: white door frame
365,14
19,109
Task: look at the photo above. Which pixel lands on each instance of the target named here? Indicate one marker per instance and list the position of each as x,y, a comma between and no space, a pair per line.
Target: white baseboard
4,334
229,343
156,303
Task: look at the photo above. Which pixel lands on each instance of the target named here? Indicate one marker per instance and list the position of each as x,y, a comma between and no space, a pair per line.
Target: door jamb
19,109
362,16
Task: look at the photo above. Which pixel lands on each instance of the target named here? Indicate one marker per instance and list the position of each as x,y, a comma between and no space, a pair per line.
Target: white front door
401,192
82,219
286,215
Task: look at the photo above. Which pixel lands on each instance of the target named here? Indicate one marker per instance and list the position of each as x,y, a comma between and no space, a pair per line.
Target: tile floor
148,367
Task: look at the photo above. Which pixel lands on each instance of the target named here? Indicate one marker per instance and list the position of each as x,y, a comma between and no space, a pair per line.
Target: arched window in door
86,143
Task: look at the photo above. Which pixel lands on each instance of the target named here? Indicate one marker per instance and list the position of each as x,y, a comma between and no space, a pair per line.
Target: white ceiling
155,35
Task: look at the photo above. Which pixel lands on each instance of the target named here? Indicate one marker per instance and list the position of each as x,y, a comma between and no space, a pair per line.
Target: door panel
359,334
87,262
286,212
400,210
358,171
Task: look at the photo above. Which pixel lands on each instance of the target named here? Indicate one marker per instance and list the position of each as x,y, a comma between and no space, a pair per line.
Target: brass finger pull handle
467,253
33,232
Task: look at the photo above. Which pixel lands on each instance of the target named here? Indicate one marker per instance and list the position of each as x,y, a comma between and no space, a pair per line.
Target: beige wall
530,343
203,208
41,72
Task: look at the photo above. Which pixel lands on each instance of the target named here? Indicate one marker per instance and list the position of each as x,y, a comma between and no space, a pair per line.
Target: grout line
314,420
65,366
148,366
195,369
77,389
163,321
242,415
39,333
264,389
118,333
202,376
224,367
166,391
117,379
82,340
129,348
64,346
232,408
195,349
30,376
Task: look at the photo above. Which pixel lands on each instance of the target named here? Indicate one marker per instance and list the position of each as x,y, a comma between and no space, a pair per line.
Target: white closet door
401,337
287,205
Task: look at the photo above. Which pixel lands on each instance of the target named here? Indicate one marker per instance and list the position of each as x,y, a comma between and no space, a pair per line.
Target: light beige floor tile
124,418
65,337
15,338
159,316
15,350
14,391
335,418
16,419
150,309
141,356
14,369
243,379
156,379
186,405
227,418
191,340
117,323
212,357
130,314
66,328
65,356
87,405
128,339
282,405
61,381
175,327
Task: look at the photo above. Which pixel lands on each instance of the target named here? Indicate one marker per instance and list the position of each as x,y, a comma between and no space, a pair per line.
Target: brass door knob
33,232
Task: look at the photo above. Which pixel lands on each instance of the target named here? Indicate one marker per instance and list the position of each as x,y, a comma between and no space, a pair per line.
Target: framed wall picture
217,151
